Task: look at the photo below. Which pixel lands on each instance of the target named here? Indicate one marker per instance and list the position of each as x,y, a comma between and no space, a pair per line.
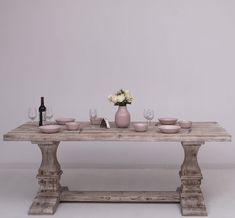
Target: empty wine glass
93,115
49,113
148,115
32,113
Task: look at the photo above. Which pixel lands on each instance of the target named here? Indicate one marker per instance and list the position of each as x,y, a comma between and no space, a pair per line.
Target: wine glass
93,115
49,113
32,113
148,115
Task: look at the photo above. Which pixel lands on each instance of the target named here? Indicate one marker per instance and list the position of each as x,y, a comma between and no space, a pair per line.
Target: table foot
44,205
192,205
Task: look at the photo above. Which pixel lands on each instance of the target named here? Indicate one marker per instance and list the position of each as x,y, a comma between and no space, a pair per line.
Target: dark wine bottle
42,112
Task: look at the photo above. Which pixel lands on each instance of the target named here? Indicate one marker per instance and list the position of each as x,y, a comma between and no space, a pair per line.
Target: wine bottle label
44,116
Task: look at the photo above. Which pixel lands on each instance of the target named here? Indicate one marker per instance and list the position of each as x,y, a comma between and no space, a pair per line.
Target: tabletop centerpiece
121,98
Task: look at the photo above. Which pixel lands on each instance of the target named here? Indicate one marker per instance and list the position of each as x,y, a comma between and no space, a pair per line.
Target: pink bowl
185,124
63,121
72,126
170,129
168,121
140,127
49,128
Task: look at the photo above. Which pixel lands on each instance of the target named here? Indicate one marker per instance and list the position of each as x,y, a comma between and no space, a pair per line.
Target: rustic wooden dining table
51,193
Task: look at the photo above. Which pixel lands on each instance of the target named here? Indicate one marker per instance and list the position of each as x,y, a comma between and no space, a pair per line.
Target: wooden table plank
201,131
120,196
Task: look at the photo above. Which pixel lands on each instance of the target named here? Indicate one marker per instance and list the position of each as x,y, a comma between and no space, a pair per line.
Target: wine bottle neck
42,101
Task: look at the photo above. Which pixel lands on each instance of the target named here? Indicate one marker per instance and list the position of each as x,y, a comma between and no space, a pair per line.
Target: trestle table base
51,193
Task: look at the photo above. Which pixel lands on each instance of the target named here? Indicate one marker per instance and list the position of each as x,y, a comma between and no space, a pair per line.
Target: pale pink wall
176,57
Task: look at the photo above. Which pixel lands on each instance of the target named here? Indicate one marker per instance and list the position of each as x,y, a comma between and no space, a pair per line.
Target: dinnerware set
170,125
61,123
165,125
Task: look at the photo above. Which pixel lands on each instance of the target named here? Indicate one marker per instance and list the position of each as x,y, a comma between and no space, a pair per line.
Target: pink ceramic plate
63,121
49,128
169,129
168,121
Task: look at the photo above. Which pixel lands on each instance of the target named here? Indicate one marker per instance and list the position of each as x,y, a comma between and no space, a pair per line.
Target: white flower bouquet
121,98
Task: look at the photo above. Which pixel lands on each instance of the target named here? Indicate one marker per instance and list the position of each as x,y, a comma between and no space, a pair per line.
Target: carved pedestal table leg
191,197
49,173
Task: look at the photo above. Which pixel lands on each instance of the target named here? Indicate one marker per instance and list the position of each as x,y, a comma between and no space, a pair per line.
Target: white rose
114,99
121,98
128,96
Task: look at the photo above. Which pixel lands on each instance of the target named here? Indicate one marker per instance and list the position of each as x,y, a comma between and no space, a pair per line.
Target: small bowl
63,121
170,129
72,126
168,121
49,129
185,124
140,127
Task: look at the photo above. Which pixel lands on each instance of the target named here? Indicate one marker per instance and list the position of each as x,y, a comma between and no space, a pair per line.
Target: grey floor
18,188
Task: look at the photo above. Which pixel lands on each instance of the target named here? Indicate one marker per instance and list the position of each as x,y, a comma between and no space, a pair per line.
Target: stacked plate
61,124
69,123
63,121
168,125
50,129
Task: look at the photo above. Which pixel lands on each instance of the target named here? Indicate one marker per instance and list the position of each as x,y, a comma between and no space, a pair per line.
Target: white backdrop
176,57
